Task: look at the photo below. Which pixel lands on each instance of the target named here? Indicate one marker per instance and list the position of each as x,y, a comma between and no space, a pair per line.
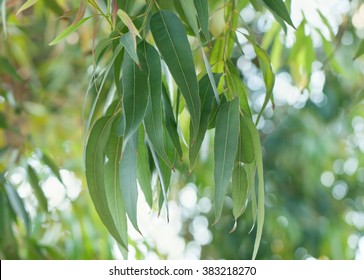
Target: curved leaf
189,9
171,124
225,147
18,206
278,7
202,9
239,190
171,39
112,184
94,161
143,168
135,92
128,43
153,119
26,5
207,98
70,29
34,182
128,179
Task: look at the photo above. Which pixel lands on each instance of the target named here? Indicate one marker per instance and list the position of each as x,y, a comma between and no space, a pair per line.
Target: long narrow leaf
26,5
225,147
202,9
70,29
34,182
95,176
278,7
171,40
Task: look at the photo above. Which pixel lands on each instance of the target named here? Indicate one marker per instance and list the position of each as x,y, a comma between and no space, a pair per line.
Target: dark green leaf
34,182
279,8
94,161
171,40
153,120
3,121
170,121
203,17
18,206
207,97
52,166
246,148
128,179
135,93
225,148
112,184
239,190
101,48
189,10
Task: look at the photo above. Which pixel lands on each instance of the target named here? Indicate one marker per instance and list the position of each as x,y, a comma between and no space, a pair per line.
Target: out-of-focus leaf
153,120
171,40
80,12
18,206
143,168
225,147
3,16
127,41
360,50
112,184
128,179
52,166
171,124
207,97
236,87
94,161
26,5
260,199
70,29
34,182
189,9
202,9
268,75
279,8
3,121
6,67
135,93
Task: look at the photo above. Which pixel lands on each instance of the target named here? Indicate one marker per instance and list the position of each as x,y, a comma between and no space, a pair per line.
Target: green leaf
189,10
360,50
101,48
3,16
128,179
127,41
129,23
7,67
259,165
239,190
207,98
268,74
70,29
279,8
225,147
245,152
171,124
94,161
34,182
112,184
171,40
210,75
143,168
3,121
236,87
136,93
52,166
153,119
18,206
202,9
26,5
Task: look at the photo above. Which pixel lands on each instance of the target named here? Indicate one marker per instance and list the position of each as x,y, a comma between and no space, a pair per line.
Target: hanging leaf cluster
149,79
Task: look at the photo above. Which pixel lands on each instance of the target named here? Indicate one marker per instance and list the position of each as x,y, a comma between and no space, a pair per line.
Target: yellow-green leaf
26,5
70,29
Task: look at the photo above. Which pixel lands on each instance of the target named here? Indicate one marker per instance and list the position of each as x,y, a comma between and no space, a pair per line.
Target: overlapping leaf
171,40
225,147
